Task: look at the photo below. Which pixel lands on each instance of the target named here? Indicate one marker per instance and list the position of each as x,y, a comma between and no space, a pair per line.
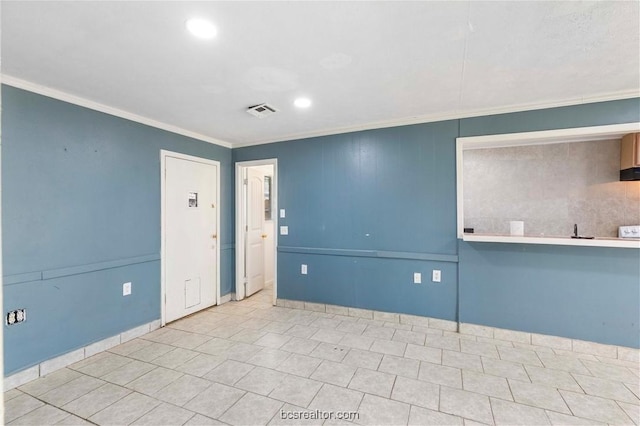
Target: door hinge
246,181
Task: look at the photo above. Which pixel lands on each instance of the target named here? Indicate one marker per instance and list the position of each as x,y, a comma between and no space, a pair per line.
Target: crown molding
431,118
96,106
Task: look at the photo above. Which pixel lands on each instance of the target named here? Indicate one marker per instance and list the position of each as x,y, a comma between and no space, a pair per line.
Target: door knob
214,236
264,236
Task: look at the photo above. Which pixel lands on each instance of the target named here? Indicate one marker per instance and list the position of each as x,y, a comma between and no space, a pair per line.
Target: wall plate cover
284,230
126,289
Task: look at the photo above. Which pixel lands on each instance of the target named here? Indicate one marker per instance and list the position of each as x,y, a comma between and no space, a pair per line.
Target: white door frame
240,223
163,162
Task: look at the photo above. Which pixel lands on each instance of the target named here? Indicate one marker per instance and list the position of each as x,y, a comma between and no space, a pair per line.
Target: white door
255,236
190,237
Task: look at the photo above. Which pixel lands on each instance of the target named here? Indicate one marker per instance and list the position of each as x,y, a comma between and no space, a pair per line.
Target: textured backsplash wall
549,187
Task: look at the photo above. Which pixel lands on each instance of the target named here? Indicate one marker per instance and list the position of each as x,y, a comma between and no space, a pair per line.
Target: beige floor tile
511,413
406,336
151,352
104,365
423,353
51,381
416,392
421,416
440,374
300,365
215,400
300,345
564,363
229,372
566,420
269,358
191,341
261,380
154,380
45,415
443,342
485,384
129,372
200,365
96,400
72,420
301,331
335,373
296,390
351,327
479,348
595,408
610,372
13,393
373,382
540,396
165,414
241,351
126,410
606,388
379,333
175,358
521,356
364,359
555,378
19,406
330,352
632,410
388,347
248,336
273,340
130,347
465,404
252,409
381,411
166,335
462,360
335,398
71,390
506,369
215,346
200,420
182,390
400,366
356,341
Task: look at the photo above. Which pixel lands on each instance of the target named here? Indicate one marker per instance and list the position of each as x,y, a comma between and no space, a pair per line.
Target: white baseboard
481,331
227,298
53,364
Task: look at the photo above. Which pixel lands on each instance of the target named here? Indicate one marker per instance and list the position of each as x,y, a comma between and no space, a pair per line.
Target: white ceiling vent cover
261,110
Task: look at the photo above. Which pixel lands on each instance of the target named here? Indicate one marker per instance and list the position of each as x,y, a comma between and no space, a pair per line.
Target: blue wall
81,215
398,186
365,211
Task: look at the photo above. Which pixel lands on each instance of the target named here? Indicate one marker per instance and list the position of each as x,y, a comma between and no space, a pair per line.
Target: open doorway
256,227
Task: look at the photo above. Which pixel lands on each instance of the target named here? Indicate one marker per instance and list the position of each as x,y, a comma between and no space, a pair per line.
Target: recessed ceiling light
201,28
302,102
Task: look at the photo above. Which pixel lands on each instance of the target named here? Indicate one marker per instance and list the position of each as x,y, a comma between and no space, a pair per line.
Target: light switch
417,278
126,289
284,230
303,269
282,214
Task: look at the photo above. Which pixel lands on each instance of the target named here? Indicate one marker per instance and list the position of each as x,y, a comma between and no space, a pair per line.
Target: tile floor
246,362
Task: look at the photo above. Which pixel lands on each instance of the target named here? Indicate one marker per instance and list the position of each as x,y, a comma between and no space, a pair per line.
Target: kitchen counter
554,240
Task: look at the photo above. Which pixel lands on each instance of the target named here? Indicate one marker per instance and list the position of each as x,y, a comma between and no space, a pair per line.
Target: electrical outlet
282,214
14,317
417,278
303,269
436,276
284,230
126,289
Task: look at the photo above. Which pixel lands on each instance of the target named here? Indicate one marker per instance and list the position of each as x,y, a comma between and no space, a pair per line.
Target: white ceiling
364,64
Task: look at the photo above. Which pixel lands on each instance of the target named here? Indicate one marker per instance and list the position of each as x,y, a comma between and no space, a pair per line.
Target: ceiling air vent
261,110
